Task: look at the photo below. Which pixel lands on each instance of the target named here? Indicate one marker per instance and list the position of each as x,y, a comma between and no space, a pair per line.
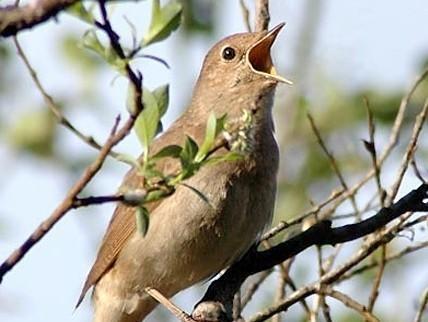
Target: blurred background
336,52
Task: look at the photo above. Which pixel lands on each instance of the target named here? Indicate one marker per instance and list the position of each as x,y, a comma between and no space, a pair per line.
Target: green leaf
147,122
188,153
164,20
172,151
156,195
162,98
128,159
149,170
214,126
142,220
34,132
231,156
79,10
90,41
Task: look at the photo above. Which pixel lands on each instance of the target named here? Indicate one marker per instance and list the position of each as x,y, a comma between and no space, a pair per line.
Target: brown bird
192,238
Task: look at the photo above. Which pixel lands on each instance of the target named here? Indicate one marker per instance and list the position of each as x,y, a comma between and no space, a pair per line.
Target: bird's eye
228,53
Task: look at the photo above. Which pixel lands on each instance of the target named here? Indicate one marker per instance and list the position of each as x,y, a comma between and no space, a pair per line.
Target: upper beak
259,59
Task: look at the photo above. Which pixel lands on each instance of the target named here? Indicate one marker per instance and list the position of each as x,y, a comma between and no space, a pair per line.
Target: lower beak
259,58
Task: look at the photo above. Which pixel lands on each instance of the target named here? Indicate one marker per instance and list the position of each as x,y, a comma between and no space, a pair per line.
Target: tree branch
116,135
222,290
14,19
262,15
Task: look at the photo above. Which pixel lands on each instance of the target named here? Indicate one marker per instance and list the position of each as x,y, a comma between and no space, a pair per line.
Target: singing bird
191,238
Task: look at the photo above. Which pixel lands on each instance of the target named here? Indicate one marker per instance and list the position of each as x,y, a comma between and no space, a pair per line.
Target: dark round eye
228,53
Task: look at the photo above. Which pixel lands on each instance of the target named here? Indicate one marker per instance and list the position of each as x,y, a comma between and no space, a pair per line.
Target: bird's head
239,65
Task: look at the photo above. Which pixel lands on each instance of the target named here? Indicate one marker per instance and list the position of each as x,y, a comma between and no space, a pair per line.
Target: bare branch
245,15
262,15
223,289
411,147
368,248
116,135
351,303
376,284
371,147
67,204
422,307
254,286
398,255
53,106
332,161
284,225
14,19
175,310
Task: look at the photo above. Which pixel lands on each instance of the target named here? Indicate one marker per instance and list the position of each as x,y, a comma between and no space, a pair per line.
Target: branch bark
14,19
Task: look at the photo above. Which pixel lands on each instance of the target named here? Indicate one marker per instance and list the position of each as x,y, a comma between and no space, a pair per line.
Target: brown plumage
190,239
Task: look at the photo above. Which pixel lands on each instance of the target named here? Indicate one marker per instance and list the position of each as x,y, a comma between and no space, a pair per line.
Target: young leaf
214,126
172,151
90,41
162,98
147,122
128,159
142,220
164,20
188,153
231,156
156,195
78,10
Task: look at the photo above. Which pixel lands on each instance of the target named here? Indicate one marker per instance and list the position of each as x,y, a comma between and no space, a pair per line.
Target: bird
191,239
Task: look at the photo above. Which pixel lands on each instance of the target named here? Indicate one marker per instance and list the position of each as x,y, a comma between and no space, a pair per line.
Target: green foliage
91,41
80,11
75,55
198,16
148,123
214,126
34,132
172,151
165,19
142,220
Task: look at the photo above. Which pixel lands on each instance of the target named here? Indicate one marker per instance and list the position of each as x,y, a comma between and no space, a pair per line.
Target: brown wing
122,224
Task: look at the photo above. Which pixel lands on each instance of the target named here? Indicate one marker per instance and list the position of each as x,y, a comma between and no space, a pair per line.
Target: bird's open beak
259,59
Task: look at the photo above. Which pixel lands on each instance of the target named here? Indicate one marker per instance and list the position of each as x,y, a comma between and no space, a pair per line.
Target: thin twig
254,286
116,136
422,307
330,277
390,258
53,106
96,200
376,284
262,15
408,155
284,225
393,139
416,170
175,310
14,19
333,162
351,303
371,147
245,15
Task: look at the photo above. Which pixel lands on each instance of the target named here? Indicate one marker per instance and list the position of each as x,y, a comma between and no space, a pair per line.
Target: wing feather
122,225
